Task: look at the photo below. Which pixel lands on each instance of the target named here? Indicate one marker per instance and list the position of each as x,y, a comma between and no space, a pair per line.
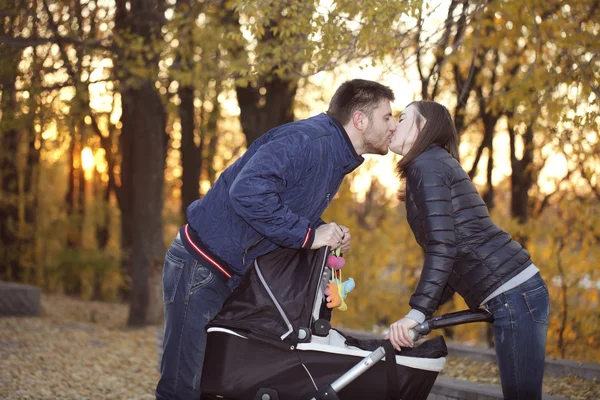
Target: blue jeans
192,296
520,328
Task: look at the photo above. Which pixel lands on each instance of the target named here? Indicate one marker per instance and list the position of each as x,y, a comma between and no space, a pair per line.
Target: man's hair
357,95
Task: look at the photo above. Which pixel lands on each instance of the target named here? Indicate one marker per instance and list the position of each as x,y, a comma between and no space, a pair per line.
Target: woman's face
407,130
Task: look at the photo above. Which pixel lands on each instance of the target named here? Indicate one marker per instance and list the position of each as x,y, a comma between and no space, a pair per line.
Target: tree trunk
212,120
19,157
30,174
489,123
126,147
10,264
19,167
102,201
101,196
147,200
211,173
259,113
126,203
522,174
488,198
191,154
143,148
488,195
75,198
75,203
275,106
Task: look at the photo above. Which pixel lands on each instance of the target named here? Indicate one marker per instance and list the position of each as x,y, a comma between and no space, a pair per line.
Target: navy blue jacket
273,196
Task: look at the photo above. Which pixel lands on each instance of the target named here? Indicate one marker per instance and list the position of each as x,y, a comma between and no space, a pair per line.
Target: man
273,196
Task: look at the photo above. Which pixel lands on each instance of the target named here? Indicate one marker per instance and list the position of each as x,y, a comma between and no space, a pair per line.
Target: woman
465,252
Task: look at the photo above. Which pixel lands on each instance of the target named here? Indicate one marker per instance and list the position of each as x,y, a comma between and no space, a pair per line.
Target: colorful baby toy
336,290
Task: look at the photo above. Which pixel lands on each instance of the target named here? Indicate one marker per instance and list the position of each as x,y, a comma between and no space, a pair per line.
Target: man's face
377,135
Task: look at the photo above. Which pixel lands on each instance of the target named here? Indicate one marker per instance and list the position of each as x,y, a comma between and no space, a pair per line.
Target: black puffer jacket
465,252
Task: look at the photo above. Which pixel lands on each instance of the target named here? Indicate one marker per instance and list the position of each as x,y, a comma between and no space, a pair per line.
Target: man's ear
360,120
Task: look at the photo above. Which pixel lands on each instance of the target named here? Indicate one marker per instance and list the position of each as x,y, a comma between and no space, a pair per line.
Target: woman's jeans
192,295
520,327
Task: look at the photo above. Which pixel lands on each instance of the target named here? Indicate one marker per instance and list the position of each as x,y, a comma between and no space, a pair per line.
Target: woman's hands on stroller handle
399,334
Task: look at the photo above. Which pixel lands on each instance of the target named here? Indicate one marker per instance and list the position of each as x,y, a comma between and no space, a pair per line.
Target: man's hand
328,235
346,238
398,335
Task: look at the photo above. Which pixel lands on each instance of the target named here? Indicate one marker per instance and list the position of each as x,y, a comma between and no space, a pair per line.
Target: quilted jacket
273,196
465,252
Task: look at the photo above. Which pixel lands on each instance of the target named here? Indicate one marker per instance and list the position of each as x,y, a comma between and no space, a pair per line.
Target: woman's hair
438,129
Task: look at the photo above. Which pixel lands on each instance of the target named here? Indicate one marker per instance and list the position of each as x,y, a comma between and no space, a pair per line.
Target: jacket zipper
250,248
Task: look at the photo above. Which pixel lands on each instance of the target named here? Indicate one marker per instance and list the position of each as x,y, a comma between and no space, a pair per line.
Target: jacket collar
349,158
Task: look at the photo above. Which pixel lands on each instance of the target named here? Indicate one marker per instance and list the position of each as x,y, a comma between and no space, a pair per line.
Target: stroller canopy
277,296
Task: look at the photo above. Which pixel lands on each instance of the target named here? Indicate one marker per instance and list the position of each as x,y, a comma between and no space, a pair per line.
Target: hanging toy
333,293
347,287
337,291
335,261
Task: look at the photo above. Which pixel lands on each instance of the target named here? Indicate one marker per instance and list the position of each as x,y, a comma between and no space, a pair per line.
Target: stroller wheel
266,394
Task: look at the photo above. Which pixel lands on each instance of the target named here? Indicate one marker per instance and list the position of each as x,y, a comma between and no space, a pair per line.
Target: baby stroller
272,340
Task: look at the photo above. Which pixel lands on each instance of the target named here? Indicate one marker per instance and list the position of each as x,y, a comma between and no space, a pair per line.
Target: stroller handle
451,319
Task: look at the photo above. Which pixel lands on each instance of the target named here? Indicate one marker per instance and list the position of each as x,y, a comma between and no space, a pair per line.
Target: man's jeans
192,297
520,328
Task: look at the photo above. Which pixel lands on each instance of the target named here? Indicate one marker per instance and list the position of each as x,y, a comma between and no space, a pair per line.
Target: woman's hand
398,335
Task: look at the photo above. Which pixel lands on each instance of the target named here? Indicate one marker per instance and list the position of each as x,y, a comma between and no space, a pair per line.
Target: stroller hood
276,296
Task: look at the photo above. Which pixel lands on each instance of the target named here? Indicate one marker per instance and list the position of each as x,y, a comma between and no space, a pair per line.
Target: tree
19,149
542,62
138,25
295,40
11,268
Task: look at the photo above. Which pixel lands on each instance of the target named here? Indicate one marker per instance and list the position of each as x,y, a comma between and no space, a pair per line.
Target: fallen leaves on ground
77,350
83,350
486,372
